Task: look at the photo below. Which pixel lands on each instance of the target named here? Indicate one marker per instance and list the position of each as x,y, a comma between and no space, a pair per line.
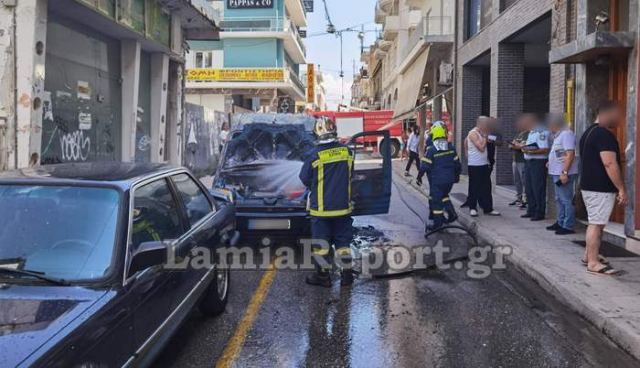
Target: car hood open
30,316
264,161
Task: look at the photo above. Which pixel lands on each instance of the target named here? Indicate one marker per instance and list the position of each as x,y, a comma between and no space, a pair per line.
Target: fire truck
352,122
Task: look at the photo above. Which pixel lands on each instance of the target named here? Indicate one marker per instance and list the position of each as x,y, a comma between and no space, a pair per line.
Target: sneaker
406,173
523,205
493,213
319,279
517,202
554,227
473,213
346,277
563,231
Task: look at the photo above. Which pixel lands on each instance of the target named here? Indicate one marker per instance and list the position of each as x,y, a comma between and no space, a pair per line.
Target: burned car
259,170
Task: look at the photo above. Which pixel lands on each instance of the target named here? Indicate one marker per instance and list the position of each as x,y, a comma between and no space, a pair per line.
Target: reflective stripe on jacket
327,173
442,166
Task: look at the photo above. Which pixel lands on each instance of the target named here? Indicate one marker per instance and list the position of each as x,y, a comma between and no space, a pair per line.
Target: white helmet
325,129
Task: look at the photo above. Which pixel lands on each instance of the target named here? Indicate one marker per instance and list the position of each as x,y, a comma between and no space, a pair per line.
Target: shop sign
233,75
311,87
249,4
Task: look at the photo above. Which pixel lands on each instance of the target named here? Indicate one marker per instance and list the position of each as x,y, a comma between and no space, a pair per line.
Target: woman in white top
479,192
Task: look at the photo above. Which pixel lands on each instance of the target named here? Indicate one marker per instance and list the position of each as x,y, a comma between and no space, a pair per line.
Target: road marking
235,344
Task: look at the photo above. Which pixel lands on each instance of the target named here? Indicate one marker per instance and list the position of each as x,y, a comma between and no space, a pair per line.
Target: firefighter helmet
325,129
438,132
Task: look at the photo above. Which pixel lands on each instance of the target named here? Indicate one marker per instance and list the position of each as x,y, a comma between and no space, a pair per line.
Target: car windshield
60,231
264,160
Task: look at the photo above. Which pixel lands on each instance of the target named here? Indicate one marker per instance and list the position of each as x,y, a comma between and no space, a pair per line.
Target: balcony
296,12
429,30
391,27
267,27
385,45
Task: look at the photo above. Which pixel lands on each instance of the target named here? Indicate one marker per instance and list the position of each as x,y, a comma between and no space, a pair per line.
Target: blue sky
324,50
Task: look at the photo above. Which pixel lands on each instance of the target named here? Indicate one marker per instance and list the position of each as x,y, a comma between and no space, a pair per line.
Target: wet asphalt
431,318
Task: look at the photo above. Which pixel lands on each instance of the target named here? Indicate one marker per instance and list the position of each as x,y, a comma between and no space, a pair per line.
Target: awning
410,87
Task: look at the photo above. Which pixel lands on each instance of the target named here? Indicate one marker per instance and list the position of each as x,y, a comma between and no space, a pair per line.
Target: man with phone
563,168
536,153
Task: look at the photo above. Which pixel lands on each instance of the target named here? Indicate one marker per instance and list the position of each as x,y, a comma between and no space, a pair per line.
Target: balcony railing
294,30
295,78
428,27
262,24
253,24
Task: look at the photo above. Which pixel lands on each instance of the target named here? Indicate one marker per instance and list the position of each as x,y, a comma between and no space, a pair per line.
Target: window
194,199
204,59
155,214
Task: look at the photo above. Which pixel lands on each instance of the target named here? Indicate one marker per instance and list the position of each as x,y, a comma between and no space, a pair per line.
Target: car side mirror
222,195
147,255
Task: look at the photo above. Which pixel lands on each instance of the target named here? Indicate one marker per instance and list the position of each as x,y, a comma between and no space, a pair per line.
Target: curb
616,329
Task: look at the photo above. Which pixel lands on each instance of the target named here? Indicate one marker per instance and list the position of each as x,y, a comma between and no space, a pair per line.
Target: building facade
90,80
596,53
409,69
255,66
503,67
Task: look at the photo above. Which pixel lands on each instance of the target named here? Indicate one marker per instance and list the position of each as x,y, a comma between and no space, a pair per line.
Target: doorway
618,94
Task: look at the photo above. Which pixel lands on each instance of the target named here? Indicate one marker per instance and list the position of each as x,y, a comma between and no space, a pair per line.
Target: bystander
519,163
601,182
563,168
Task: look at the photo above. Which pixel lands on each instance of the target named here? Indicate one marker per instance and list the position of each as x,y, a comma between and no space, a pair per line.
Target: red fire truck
352,122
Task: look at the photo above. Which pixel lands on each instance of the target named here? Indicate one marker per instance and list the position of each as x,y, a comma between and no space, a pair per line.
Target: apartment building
409,69
503,67
255,66
92,80
595,51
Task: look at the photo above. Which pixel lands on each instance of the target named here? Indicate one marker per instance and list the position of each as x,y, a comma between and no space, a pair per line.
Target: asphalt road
433,318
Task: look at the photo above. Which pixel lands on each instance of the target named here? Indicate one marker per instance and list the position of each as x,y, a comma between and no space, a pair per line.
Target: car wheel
215,298
395,149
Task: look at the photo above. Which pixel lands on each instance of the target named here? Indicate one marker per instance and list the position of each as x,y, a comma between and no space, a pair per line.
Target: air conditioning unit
446,74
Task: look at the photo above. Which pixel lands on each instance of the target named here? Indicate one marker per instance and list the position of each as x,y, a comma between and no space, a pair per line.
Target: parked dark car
259,170
83,249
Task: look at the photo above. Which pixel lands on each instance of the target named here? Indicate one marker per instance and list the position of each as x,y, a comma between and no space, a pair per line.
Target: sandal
605,271
601,259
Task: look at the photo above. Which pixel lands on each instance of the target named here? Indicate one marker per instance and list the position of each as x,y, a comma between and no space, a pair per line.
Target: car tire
214,300
395,148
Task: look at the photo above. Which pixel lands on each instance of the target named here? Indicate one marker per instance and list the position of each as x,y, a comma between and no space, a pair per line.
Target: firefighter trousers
328,231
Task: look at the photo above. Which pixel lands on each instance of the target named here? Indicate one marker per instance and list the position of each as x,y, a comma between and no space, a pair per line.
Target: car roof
122,174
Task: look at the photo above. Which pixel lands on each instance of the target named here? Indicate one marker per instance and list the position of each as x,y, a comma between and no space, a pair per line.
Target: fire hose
470,232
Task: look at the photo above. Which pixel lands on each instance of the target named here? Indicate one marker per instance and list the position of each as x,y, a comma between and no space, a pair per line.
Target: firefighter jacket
441,163
327,173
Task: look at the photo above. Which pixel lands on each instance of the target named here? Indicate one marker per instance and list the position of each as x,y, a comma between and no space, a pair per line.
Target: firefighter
442,165
326,172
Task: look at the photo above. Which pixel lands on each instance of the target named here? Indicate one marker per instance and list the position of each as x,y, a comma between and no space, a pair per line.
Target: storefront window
82,98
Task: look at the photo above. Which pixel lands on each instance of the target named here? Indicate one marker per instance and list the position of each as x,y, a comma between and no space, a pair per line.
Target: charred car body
259,170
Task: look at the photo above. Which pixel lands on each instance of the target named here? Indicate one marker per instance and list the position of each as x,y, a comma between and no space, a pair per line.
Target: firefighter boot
347,277
319,279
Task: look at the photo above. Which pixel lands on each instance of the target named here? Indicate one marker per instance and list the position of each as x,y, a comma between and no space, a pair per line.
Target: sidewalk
611,303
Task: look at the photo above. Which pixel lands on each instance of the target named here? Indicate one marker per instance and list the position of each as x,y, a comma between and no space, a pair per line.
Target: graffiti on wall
202,138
